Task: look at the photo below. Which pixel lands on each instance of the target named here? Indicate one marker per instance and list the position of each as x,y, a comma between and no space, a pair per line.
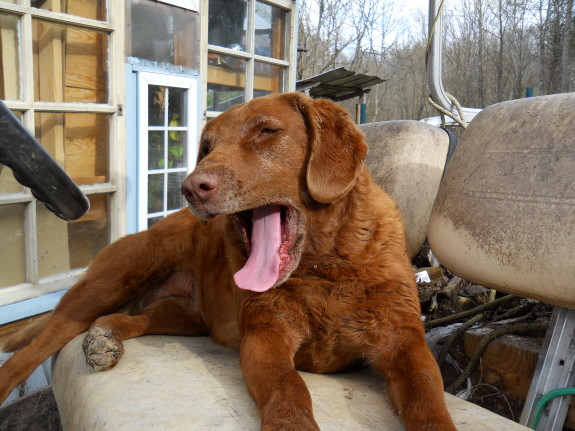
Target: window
250,50
167,143
57,74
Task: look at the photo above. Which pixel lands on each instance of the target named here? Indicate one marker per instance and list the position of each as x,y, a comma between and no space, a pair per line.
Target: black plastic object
33,167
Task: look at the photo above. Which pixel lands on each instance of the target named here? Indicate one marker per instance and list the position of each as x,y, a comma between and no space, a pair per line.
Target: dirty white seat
505,218
407,158
186,383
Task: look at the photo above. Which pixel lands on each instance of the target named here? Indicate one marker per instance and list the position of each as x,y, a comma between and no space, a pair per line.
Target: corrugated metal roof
338,84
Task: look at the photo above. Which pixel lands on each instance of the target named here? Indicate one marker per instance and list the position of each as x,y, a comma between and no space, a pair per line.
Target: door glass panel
12,251
156,105
155,193
70,64
10,57
176,113
177,149
156,150
175,198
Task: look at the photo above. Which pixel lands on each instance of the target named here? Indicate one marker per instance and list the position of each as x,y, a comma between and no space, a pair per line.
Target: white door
167,143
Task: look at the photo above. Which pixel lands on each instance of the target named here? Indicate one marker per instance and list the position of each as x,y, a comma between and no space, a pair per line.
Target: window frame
249,56
40,294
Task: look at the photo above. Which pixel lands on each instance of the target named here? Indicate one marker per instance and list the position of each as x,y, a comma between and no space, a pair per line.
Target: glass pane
78,142
177,149
9,57
156,105
156,150
88,235
66,245
177,106
12,251
53,247
172,34
227,23
70,64
270,31
93,9
226,86
175,198
152,221
155,193
8,183
268,79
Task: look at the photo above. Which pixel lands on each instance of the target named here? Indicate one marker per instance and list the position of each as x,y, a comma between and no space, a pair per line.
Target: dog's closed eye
268,131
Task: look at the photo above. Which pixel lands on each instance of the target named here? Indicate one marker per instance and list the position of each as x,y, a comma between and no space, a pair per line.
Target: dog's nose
202,185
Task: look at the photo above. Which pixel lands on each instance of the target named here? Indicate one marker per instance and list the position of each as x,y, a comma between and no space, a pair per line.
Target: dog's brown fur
349,295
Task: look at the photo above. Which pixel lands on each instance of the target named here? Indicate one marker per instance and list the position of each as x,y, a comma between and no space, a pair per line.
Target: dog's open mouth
270,234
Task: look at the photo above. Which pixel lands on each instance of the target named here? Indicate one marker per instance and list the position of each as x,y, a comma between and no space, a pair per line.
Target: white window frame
38,295
146,79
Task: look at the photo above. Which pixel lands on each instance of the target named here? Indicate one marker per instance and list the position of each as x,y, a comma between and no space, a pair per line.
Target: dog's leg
414,383
70,318
167,316
283,399
113,279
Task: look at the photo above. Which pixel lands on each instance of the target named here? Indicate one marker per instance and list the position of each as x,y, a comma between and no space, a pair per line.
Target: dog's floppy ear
337,149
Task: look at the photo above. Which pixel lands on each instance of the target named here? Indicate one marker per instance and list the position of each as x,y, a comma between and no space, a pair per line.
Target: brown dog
290,253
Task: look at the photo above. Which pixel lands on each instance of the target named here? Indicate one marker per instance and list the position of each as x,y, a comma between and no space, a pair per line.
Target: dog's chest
339,325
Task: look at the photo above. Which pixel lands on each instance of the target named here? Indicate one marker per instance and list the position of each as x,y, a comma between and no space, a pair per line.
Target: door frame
144,79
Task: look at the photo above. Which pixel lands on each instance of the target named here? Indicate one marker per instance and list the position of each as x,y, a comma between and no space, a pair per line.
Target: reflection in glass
9,57
8,183
176,107
268,79
152,221
177,150
93,9
53,251
226,87
171,33
270,31
156,150
12,251
156,105
70,64
227,23
155,193
88,235
175,198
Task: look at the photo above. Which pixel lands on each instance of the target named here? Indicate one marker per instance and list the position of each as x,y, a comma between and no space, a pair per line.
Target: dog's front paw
102,348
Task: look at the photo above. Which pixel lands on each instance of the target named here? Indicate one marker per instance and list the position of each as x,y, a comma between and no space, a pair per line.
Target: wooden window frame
249,56
38,294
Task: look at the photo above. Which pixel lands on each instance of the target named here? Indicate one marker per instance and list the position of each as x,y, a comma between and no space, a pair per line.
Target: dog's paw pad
102,348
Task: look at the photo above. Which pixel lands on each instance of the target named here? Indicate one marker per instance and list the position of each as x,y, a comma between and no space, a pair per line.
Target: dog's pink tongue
261,271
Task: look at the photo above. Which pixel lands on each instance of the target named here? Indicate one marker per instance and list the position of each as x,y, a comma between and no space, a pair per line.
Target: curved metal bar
434,64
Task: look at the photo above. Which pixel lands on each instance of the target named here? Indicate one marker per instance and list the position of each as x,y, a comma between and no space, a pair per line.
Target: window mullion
31,243
251,33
